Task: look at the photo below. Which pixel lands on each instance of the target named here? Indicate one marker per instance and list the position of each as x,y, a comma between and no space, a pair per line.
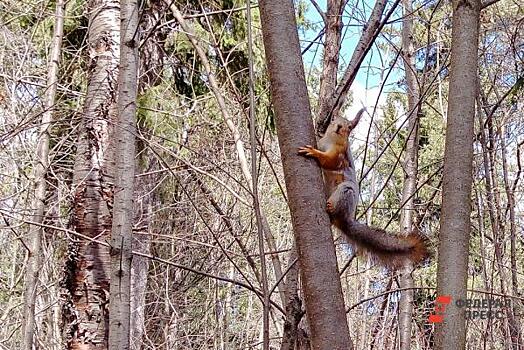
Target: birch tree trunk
455,225
121,232
316,252
89,265
410,175
34,240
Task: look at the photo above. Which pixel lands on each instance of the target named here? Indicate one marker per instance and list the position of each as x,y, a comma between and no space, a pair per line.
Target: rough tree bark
455,225
34,239
410,175
89,265
316,252
121,231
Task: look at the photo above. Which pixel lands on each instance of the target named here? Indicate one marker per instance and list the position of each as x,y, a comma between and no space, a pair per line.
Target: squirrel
335,158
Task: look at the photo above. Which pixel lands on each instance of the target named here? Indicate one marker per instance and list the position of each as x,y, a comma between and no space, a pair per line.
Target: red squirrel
335,158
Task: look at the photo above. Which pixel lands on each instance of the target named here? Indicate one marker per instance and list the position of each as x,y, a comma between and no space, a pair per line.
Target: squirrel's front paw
307,150
330,208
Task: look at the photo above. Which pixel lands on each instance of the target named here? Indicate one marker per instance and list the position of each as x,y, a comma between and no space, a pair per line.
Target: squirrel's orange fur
334,156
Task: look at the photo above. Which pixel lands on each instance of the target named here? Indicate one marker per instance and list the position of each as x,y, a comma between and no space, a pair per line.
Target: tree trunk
294,314
39,172
331,107
121,231
333,32
455,225
411,173
316,251
89,265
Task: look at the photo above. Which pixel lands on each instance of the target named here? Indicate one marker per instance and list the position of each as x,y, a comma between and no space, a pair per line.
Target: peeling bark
86,312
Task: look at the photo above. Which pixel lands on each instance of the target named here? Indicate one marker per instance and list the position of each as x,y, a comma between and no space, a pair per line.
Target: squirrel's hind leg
342,203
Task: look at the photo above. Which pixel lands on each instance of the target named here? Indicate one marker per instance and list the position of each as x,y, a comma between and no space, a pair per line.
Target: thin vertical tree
455,225
89,266
330,59
410,172
316,252
121,231
40,167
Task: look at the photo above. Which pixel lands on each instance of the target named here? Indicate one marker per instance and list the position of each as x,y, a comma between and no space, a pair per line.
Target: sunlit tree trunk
316,252
410,173
455,225
34,239
89,265
121,232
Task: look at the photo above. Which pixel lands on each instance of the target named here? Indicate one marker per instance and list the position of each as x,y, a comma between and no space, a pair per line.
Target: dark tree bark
316,252
455,225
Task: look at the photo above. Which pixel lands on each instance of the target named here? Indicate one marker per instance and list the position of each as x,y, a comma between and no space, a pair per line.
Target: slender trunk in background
121,231
331,106
316,251
140,265
86,313
497,227
455,225
151,60
410,173
514,320
331,54
34,239
254,184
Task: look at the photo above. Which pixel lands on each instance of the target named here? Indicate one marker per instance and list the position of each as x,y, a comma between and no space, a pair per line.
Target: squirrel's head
342,126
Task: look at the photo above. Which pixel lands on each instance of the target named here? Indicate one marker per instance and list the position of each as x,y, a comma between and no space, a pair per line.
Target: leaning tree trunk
410,176
316,252
455,225
34,240
121,232
89,265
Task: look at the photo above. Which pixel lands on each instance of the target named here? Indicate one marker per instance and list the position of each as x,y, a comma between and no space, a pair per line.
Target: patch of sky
356,14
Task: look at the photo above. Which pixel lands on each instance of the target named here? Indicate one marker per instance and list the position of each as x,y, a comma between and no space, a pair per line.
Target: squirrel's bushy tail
390,249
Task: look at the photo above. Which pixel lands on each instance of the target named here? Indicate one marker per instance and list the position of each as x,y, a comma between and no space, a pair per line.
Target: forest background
212,235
